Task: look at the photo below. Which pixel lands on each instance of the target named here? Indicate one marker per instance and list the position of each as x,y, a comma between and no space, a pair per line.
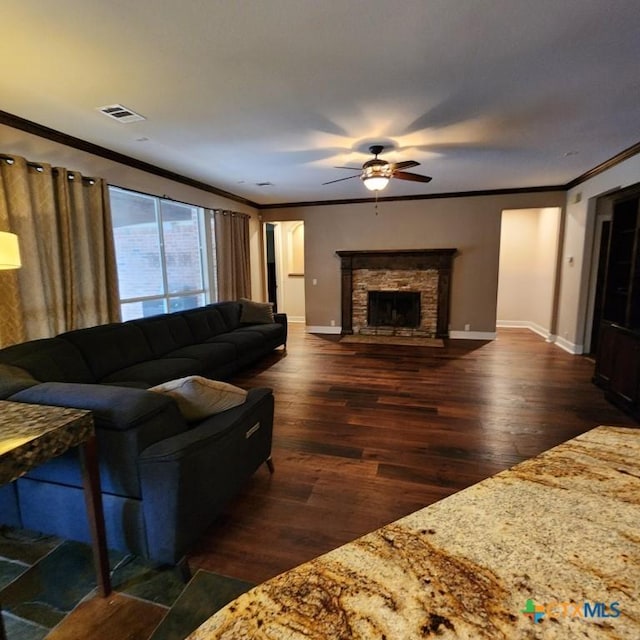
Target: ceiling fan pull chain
376,207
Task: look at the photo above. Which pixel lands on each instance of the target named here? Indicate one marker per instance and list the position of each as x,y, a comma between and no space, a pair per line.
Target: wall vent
120,113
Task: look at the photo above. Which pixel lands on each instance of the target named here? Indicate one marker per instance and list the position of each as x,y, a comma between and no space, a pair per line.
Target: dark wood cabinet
618,366
618,355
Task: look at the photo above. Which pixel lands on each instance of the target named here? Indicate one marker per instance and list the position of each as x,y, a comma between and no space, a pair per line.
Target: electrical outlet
467,327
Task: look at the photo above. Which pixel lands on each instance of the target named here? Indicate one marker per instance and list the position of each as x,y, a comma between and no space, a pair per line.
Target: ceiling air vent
120,113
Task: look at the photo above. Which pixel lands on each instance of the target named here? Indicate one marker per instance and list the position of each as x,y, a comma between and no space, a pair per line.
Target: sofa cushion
155,371
113,408
216,321
156,331
198,324
180,330
230,312
49,360
212,355
244,341
164,334
199,397
273,332
256,312
111,347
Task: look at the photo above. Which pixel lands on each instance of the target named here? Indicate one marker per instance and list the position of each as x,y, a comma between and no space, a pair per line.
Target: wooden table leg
93,501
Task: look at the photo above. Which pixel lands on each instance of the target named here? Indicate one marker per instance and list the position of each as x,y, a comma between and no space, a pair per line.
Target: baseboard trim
296,319
323,329
472,335
526,324
569,347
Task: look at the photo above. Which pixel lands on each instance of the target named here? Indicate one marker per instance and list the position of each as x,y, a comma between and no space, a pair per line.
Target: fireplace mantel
398,259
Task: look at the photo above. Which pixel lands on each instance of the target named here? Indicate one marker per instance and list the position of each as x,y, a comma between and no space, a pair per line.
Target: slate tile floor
44,578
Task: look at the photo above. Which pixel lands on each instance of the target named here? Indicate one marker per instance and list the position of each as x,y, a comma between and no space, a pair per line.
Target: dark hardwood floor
366,434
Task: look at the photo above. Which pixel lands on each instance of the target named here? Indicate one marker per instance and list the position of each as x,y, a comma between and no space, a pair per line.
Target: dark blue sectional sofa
164,480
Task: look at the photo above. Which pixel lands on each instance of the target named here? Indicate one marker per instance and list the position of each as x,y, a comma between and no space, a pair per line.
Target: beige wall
578,250
37,149
528,265
469,224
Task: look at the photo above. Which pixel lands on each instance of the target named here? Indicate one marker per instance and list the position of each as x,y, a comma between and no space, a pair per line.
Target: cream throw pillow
199,397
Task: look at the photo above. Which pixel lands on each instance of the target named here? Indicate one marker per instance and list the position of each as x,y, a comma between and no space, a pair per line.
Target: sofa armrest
281,318
213,428
115,408
127,421
188,479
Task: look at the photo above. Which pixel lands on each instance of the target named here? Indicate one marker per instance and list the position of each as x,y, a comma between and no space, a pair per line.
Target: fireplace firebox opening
393,309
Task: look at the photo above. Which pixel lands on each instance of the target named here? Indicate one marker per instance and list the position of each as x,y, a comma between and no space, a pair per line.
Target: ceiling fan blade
350,168
407,164
340,179
413,177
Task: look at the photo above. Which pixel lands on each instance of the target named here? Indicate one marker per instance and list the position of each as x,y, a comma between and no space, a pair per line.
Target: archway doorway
284,267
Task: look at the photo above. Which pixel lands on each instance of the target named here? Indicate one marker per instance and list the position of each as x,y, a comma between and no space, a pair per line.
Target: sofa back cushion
204,323
110,347
230,312
165,333
156,331
180,330
49,360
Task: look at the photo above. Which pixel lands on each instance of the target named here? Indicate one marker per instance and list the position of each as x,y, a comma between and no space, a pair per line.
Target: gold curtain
68,278
232,255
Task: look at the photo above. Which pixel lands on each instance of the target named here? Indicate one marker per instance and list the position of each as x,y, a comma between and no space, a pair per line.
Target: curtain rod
227,212
39,167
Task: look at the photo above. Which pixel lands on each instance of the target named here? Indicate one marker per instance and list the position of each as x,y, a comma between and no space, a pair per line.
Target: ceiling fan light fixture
375,183
376,174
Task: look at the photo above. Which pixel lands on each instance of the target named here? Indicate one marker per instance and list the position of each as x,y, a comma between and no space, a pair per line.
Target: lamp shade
9,251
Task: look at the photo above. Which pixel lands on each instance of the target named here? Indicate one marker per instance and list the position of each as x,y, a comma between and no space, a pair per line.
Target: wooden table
33,434
549,549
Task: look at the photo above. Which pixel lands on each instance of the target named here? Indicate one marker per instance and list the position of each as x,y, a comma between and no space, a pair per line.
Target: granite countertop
555,538
31,434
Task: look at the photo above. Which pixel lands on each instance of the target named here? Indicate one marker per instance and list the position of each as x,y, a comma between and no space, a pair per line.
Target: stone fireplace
396,292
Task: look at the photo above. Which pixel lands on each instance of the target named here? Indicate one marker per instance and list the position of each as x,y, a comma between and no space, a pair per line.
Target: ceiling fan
376,173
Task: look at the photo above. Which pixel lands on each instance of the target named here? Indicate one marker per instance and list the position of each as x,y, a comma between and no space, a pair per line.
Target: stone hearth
425,271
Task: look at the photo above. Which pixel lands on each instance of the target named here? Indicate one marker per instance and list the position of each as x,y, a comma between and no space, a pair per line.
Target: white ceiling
485,94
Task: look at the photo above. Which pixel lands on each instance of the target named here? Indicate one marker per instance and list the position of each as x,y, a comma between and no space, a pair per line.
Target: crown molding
34,128
603,166
429,196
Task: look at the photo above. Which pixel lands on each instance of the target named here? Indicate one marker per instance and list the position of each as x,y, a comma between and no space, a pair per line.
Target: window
164,252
